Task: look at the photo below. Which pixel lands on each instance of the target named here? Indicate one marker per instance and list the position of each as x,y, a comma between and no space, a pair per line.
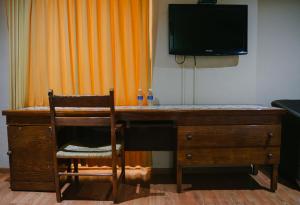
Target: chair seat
72,150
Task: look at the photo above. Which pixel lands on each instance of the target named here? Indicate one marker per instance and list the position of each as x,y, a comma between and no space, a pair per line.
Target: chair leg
75,161
123,165
57,183
69,169
114,182
57,189
114,187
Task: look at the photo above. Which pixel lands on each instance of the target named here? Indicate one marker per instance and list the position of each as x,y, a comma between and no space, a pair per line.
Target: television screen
199,29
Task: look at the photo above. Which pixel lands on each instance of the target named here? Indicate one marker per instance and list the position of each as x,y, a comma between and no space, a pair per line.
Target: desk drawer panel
229,136
229,156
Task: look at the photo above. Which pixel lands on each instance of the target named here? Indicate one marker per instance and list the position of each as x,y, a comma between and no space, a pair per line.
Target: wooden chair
73,151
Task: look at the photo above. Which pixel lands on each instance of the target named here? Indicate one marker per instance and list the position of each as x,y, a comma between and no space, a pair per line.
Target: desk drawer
229,136
229,156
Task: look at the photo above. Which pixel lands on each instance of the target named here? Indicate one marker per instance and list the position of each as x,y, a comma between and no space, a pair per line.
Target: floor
218,188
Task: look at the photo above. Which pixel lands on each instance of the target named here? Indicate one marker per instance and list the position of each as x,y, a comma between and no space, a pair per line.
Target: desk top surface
157,108
169,107
180,114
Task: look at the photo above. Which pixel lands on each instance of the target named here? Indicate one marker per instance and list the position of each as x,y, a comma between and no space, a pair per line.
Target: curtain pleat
18,14
88,47
79,47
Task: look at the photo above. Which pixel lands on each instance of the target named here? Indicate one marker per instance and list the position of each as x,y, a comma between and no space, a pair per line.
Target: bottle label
140,97
150,97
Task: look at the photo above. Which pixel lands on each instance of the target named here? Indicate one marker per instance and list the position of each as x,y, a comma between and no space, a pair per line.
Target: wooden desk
213,135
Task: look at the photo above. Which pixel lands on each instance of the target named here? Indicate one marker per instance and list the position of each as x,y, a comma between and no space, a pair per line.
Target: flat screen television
200,30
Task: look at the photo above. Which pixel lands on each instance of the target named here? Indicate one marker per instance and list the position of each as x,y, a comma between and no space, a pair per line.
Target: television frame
209,52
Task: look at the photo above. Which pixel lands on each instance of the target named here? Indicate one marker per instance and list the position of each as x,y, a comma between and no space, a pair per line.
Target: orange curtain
87,47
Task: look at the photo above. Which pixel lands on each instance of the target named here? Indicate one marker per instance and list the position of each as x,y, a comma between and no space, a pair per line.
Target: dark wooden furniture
30,157
211,145
290,149
74,150
206,136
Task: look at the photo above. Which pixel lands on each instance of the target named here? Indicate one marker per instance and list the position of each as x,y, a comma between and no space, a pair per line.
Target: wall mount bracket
207,1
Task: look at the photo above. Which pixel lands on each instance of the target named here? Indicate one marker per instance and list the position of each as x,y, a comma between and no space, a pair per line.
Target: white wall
4,75
219,80
278,53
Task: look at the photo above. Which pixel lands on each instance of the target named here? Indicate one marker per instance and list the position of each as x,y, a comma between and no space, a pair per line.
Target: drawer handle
9,152
189,136
270,134
270,156
50,130
188,156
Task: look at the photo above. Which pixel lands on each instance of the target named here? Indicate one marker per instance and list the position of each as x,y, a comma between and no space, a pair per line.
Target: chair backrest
106,101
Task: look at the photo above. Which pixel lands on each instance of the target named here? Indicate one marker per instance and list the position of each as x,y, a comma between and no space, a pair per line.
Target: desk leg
274,177
179,178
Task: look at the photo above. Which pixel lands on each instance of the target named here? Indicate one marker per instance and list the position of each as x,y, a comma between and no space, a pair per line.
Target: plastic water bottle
140,97
150,98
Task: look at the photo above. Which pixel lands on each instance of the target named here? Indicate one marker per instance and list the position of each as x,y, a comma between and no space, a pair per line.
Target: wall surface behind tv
270,71
219,80
278,52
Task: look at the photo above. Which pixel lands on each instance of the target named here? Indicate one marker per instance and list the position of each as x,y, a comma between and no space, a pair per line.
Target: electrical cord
182,85
181,62
182,78
194,81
